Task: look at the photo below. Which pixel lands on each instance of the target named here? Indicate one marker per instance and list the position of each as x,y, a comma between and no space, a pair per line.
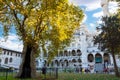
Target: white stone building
82,53
10,58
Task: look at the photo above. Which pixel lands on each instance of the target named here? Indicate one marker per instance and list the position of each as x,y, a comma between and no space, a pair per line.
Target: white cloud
89,4
98,14
92,26
11,43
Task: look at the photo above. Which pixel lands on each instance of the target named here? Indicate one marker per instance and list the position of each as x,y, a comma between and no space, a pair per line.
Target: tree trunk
27,68
115,66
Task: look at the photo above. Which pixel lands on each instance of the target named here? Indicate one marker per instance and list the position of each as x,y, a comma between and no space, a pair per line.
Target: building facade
82,53
10,58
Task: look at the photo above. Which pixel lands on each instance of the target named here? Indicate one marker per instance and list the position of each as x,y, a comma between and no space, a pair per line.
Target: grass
77,76
69,76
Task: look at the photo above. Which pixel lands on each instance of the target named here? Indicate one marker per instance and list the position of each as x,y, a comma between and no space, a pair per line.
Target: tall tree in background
109,38
39,23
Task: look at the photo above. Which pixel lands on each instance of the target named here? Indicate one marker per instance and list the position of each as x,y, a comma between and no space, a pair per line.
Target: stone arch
61,62
90,57
98,58
56,63
65,53
79,52
74,61
79,60
66,62
106,57
6,61
73,53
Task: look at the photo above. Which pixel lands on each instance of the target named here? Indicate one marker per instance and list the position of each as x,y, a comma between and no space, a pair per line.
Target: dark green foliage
109,37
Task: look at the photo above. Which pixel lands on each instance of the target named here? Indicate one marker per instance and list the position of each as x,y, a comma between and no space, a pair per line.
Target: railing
50,72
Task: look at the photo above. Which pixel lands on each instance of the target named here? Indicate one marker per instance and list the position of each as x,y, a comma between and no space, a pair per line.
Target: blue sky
92,10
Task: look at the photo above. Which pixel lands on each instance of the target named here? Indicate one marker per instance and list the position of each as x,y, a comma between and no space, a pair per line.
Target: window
4,52
10,60
6,60
11,54
90,57
16,54
7,52
73,53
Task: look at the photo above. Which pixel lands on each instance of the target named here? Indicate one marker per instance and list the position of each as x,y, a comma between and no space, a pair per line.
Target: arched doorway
106,59
98,58
98,63
90,57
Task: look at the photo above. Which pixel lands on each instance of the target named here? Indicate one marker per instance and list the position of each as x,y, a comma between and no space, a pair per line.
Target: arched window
65,53
66,63
10,60
79,60
6,60
74,61
90,58
73,53
79,52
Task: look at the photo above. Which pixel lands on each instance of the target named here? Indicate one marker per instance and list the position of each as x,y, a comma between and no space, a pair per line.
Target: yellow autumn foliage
42,21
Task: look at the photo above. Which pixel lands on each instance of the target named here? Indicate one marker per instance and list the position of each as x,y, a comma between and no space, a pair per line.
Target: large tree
109,38
41,25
